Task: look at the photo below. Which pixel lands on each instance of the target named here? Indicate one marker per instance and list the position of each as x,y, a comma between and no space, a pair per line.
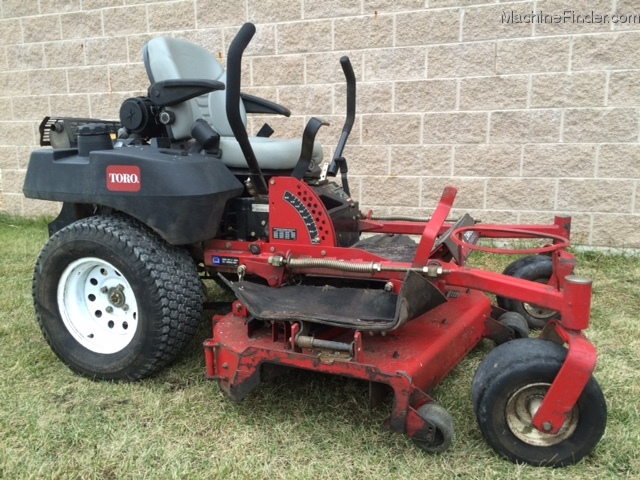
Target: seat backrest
171,58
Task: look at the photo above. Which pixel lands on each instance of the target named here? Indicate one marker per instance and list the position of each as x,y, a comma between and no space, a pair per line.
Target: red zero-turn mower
177,191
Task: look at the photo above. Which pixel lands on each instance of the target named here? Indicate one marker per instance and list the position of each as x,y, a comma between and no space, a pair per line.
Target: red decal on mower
123,178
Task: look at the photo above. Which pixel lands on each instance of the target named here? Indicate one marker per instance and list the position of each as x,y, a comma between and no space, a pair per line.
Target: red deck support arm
570,381
516,288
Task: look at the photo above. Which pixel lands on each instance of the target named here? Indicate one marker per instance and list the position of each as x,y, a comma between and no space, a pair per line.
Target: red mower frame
412,359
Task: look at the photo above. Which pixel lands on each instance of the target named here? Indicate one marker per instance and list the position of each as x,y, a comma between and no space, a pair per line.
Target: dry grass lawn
54,424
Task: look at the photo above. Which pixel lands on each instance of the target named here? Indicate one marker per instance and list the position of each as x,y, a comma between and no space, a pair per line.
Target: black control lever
308,138
234,65
339,162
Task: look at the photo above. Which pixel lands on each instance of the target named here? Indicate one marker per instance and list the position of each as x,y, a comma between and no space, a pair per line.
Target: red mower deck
412,360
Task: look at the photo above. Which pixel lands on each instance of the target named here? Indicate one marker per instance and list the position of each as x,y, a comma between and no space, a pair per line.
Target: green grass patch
55,424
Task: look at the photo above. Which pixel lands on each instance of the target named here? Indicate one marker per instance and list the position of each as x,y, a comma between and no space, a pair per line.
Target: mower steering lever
339,162
232,104
350,76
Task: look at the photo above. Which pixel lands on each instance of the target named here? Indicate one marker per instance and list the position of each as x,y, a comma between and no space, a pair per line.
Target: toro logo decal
123,178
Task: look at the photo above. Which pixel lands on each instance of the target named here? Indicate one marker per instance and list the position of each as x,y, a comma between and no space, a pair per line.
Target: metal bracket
571,380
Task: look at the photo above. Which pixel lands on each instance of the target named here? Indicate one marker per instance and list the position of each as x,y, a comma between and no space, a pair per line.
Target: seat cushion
271,153
171,58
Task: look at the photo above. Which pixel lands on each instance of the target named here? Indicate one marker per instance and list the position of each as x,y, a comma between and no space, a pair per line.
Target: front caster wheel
515,322
536,268
443,421
113,300
507,390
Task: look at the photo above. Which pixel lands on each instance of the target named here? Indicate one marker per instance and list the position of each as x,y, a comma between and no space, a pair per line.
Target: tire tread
167,271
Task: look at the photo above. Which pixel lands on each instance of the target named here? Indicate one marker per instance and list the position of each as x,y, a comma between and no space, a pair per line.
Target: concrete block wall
529,119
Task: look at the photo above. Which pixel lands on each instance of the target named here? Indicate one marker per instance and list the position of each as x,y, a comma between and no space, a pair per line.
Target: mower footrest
398,248
358,308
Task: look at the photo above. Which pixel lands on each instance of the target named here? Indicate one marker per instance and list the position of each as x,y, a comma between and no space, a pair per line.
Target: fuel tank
180,195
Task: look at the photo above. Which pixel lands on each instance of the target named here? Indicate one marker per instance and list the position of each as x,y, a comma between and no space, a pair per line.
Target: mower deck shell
411,360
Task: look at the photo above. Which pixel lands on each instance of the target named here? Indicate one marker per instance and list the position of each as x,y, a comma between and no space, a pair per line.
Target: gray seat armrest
167,93
253,104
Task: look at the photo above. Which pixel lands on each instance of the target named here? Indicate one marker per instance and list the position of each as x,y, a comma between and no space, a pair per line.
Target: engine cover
180,195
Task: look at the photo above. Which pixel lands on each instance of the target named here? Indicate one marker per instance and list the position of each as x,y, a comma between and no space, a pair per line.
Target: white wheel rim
97,305
522,407
537,311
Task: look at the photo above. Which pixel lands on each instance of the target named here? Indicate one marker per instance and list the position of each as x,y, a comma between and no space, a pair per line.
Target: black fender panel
180,195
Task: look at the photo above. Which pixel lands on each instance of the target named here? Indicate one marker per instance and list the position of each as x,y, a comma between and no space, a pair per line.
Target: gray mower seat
172,59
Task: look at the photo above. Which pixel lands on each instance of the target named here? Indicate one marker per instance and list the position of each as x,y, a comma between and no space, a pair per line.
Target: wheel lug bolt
109,309
104,290
125,307
120,287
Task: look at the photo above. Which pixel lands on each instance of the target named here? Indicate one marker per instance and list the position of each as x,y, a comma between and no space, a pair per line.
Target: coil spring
370,267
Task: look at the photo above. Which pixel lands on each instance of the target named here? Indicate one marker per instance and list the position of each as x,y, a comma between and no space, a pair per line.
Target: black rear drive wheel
113,300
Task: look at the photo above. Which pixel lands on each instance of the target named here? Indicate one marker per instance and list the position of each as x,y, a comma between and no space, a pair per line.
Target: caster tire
113,300
515,322
523,262
507,389
536,268
443,421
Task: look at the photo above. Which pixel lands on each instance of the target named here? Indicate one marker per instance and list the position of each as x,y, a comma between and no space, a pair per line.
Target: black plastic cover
93,136
137,116
247,219
205,135
343,211
180,195
62,132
